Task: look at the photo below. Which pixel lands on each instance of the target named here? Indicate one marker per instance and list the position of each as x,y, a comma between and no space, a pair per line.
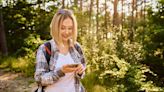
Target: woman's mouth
65,36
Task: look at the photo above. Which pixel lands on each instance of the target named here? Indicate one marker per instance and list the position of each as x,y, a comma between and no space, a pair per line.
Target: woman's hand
67,69
80,69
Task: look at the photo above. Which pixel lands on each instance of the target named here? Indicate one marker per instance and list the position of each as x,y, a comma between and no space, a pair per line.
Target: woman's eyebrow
66,26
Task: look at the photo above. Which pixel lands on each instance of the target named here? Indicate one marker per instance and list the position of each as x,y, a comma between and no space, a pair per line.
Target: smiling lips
65,36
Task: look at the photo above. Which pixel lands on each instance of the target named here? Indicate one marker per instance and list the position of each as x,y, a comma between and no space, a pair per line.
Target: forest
122,40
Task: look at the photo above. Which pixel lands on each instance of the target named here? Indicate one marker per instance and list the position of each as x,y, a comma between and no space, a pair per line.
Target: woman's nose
66,31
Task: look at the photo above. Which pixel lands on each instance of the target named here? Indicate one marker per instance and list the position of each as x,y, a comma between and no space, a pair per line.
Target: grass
92,83
21,64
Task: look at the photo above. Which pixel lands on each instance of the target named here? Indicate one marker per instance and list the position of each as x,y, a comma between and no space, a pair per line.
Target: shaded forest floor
15,82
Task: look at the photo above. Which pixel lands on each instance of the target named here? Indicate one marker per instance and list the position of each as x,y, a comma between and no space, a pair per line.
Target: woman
60,73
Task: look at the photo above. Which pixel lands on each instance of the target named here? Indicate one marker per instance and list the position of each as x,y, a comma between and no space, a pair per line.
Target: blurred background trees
123,40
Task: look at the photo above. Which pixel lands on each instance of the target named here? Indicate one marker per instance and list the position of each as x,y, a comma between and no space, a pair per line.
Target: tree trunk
136,18
3,43
122,14
76,2
81,5
63,3
141,11
97,19
106,26
132,16
131,31
90,15
122,18
144,10
115,15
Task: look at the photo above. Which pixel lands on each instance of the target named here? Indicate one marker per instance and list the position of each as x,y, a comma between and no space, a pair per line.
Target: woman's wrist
79,74
60,73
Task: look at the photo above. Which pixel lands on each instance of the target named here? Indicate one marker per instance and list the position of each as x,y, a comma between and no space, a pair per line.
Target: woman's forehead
67,22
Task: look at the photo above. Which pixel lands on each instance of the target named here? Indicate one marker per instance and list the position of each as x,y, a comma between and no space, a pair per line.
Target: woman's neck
65,44
63,48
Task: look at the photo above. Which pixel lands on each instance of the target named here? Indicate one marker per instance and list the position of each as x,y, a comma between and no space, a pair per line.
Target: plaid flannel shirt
46,74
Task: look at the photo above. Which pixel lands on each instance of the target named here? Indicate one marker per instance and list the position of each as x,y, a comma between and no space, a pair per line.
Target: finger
66,68
80,72
80,66
71,69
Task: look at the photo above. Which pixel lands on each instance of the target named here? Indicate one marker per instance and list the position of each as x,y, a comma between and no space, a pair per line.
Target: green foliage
21,64
25,62
136,77
19,23
91,82
22,19
116,64
119,68
30,46
153,42
157,17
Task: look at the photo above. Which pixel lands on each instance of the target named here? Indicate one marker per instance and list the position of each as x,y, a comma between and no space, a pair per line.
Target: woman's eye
70,28
62,28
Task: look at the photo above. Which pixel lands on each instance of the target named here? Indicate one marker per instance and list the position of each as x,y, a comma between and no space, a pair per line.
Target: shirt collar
53,45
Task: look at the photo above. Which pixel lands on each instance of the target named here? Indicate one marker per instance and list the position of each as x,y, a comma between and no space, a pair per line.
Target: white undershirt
65,83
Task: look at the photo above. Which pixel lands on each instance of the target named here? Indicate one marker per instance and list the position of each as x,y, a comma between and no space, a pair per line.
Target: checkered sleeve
83,61
42,74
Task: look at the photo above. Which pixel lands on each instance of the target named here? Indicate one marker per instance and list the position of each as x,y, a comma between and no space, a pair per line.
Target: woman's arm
83,60
42,74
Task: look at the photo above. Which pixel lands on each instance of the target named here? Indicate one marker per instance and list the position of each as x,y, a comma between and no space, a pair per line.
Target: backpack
48,51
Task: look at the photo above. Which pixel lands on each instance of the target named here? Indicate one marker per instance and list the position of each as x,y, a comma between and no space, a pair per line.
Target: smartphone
73,65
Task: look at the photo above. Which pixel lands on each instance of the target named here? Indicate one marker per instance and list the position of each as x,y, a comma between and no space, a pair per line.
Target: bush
116,64
21,64
30,46
24,59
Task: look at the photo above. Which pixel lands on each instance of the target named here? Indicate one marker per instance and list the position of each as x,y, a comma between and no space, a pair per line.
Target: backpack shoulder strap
48,51
48,56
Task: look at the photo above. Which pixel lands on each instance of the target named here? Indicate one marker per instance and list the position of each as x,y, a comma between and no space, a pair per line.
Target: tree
154,45
105,19
90,14
63,3
3,43
122,14
115,15
97,18
81,5
76,3
131,31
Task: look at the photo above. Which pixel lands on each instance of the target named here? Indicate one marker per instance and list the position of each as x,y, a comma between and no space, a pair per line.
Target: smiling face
66,30
63,27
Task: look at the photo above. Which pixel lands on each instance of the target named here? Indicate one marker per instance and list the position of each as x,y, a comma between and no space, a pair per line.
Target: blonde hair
56,22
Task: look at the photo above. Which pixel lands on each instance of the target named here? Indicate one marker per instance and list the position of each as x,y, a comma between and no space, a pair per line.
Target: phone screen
73,65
